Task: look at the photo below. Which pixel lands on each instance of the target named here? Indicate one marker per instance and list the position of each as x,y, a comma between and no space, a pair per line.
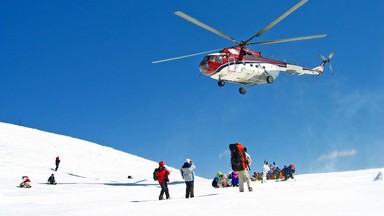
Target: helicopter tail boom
299,70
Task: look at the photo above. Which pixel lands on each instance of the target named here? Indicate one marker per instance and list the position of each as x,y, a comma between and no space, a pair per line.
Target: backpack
155,177
238,160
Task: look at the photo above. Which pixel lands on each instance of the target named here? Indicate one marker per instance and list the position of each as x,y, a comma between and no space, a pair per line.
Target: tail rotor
325,60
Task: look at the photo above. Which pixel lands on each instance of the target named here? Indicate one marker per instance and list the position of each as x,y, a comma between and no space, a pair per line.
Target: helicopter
241,65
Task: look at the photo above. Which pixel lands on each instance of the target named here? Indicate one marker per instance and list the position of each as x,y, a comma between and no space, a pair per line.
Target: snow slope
93,180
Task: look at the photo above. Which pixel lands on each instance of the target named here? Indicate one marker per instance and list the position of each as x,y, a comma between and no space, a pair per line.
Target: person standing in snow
25,183
162,177
188,174
57,162
244,175
265,171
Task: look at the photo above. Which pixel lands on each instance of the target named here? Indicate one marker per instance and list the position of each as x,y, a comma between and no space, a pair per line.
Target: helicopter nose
203,66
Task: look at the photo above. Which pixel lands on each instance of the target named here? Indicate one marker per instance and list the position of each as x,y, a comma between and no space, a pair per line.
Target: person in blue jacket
235,179
188,174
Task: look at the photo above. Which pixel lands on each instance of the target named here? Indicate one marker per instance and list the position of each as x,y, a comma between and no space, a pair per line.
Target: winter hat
219,173
187,160
161,163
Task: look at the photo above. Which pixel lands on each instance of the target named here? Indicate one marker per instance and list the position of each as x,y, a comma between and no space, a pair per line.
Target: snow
92,180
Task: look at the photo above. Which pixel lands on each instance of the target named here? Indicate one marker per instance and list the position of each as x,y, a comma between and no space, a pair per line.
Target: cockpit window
214,58
220,59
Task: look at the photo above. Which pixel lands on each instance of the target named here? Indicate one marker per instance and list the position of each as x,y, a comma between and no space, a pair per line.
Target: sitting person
51,180
219,181
223,181
214,183
234,179
276,173
270,172
26,183
288,171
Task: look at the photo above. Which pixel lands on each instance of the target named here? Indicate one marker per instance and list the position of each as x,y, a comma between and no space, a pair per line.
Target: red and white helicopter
241,65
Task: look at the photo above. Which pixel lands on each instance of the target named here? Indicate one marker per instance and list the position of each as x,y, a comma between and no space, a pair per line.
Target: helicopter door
231,64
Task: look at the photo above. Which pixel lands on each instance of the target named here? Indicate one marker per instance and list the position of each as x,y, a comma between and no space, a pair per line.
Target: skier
162,177
187,172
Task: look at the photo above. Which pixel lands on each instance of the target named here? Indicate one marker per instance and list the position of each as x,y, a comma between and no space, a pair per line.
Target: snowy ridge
32,152
93,181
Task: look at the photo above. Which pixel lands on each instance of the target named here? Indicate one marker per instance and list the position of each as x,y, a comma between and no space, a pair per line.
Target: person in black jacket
51,180
288,171
57,162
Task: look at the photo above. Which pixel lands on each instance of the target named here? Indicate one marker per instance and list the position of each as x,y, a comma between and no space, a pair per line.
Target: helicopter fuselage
241,65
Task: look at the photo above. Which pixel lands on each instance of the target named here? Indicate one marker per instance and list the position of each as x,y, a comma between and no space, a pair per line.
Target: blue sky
83,69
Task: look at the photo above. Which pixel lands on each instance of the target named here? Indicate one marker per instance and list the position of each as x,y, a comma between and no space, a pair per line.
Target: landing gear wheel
221,83
242,90
269,79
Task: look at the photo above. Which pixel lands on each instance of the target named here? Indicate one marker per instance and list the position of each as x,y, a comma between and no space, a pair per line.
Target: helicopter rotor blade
331,55
290,39
329,60
202,25
184,56
322,57
273,23
330,67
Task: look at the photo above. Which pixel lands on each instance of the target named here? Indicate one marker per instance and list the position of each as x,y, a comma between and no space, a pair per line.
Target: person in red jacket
162,177
26,183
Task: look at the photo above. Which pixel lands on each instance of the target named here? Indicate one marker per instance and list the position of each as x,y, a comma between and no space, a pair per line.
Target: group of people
240,162
26,182
187,172
240,174
273,172
230,180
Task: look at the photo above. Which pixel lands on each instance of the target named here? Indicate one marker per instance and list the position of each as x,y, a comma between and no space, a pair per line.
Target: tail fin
320,68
